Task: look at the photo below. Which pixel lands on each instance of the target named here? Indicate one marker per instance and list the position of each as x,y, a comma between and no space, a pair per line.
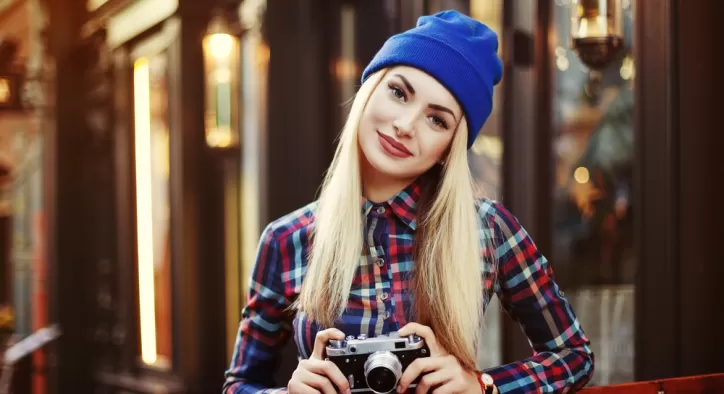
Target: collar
403,204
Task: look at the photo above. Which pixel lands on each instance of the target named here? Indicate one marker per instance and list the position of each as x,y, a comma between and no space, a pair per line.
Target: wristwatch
486,383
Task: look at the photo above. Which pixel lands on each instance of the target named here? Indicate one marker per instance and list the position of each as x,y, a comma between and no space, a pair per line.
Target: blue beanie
458,51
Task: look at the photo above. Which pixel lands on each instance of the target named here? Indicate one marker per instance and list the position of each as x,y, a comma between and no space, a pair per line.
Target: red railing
706,384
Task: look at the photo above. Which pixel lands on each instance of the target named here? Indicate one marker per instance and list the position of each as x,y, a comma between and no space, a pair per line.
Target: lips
393,147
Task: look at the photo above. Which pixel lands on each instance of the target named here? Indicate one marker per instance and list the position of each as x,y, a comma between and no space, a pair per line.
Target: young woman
399,241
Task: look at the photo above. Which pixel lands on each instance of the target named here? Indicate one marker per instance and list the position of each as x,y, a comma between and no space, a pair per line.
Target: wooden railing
706,384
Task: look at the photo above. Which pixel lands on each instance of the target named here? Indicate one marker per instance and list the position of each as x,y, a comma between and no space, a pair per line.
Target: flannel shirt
379,301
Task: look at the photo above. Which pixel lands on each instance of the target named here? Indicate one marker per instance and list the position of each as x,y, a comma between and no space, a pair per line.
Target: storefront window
153,208
592,213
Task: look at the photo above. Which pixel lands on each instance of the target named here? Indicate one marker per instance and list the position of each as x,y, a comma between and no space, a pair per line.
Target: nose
405,124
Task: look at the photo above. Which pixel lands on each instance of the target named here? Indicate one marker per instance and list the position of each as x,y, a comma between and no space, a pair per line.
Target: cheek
435,144
379,109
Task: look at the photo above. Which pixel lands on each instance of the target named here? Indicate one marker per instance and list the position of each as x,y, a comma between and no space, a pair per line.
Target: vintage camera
376,364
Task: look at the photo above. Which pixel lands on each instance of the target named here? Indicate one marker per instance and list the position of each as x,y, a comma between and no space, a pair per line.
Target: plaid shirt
379,300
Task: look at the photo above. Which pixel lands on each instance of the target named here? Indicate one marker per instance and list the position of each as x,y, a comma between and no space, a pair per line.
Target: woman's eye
438,122
397,92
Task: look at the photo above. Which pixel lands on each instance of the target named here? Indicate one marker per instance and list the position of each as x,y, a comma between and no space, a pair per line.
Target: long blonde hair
447,283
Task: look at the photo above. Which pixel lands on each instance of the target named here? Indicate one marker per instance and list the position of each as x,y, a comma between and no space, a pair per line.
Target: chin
400,169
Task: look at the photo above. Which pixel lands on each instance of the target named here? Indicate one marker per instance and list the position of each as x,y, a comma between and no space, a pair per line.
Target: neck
378,187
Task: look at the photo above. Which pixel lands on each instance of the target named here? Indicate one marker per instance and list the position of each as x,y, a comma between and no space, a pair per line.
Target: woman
398,240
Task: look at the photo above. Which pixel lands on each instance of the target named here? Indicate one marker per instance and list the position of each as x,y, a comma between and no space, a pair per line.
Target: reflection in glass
485,159
153,208
592,212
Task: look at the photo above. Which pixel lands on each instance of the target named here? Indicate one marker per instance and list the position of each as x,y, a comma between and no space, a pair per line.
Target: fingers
329,371
318,382
417,368
320,341
451,387
296,387
433,381
425,333
317,376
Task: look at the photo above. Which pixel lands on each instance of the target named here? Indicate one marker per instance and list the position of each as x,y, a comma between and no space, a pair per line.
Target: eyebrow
443,109
407,83
433,106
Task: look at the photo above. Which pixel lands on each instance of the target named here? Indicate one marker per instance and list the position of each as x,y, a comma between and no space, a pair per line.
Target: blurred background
144,145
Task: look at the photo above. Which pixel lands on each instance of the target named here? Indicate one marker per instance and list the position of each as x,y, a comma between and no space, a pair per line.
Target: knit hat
457,50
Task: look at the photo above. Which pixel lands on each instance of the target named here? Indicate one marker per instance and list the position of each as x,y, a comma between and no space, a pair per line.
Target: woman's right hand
315,375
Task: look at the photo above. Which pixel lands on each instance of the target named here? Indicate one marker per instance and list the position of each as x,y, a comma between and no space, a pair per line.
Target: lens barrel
382,372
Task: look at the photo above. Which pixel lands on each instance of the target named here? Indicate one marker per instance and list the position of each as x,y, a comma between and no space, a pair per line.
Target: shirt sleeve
562,360
265,325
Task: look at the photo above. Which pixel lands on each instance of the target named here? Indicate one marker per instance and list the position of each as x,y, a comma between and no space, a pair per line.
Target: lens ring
382,372
381,380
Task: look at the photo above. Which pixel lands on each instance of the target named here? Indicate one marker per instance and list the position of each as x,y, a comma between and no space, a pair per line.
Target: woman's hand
444,372
316,375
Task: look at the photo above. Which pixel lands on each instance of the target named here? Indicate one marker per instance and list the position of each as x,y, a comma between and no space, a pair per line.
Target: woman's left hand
444,371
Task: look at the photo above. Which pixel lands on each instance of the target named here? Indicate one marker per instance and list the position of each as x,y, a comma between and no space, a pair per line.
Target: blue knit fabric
457,50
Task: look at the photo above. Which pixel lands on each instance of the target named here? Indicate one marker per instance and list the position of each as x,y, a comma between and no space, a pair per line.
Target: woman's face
408,124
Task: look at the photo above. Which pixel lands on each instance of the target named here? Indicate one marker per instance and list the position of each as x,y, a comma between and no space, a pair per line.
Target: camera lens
382,372
381,380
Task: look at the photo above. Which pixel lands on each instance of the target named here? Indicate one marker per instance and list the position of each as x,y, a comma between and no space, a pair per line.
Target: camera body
376,364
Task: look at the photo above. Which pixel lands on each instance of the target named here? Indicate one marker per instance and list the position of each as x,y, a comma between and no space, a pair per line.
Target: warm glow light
262,54
4,90
346,69
144,218
92,5
220,45
627,68
219,137
222,75
581,175
220,50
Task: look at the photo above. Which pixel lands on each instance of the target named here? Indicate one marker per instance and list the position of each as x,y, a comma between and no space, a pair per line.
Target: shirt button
380,210
380,262
384,296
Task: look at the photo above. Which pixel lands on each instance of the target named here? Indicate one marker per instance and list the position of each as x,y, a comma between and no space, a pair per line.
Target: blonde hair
447,279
